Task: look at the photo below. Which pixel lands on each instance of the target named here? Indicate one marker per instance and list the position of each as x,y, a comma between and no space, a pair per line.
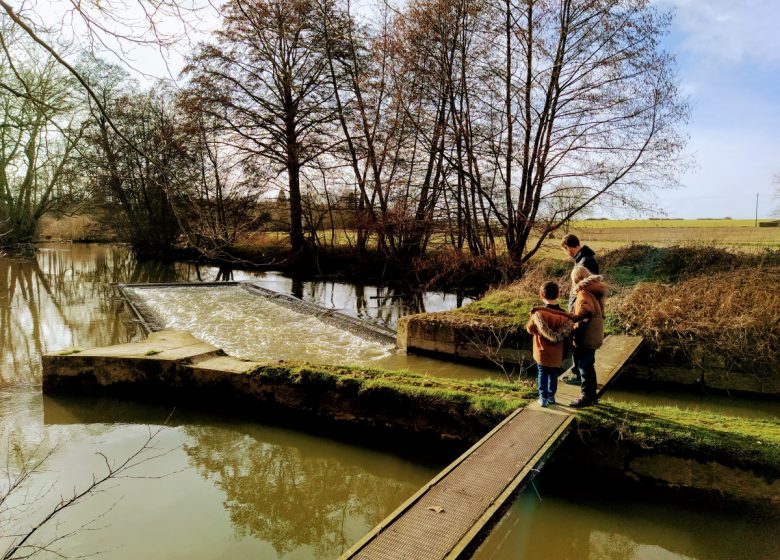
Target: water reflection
303,496
55,301
296,492
606,526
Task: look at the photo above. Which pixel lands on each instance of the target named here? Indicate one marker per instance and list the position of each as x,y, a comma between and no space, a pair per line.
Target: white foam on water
253,327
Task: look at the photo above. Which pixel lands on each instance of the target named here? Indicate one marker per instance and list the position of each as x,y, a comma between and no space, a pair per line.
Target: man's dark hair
570,240
549,290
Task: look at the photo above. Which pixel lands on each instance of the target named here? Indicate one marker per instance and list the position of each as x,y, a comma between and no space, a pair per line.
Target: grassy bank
741,442
491,398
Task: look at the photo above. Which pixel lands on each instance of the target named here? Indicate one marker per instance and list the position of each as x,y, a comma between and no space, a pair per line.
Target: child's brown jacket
589,304
549,327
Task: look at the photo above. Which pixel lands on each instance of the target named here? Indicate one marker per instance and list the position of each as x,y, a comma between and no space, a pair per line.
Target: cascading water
254,327
251,326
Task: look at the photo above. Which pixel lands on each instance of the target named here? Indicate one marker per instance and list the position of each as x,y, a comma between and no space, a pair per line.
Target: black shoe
582,402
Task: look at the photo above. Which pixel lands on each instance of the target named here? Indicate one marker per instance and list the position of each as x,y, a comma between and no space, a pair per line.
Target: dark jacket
587,258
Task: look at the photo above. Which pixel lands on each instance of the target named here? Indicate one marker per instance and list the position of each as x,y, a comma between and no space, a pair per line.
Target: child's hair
579,273
549,290
570,240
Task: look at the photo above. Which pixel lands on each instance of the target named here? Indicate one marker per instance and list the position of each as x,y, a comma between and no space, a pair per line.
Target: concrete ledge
676,474
178,368
464,337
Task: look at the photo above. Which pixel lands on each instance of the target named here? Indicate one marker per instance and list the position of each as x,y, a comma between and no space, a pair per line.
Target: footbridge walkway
448,517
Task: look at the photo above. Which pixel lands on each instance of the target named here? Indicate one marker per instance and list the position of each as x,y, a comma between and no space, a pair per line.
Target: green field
599,234
727,234
705,223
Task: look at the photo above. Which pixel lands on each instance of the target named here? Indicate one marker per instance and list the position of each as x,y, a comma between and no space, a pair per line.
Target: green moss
152,353
487,397
68,352
501,304
612,325
731,440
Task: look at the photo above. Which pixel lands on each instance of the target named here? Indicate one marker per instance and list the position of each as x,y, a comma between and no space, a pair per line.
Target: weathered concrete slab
166,345
152,361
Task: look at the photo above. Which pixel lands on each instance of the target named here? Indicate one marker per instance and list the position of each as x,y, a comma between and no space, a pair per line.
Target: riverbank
733,460
710,317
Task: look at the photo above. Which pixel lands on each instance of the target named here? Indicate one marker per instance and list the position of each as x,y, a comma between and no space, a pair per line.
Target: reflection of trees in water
611,546
63,297
291,497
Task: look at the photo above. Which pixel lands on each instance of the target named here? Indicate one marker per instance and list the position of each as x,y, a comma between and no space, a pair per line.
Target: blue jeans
584,362
548,380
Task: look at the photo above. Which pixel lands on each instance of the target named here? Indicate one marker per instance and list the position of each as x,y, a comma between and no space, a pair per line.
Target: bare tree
41,126
28,536
217,199
591,101
119,175
265,80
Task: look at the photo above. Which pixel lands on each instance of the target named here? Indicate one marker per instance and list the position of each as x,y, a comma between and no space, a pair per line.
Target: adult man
583,256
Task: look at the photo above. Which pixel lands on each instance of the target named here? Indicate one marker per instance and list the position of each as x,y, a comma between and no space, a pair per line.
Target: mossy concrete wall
462,337
669,365
603,460
493,340
178,368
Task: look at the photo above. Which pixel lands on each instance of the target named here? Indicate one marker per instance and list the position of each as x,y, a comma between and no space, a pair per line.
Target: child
588,333
550,326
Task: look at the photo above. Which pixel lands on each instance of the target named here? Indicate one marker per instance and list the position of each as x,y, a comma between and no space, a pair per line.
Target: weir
446,519
149,322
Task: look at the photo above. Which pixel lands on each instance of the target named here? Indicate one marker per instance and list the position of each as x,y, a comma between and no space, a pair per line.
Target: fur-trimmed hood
593,284
544,329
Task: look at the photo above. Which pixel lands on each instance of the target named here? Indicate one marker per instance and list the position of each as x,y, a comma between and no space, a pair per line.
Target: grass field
704,223
727,234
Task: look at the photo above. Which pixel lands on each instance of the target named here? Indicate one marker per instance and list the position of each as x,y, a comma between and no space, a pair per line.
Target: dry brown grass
731,315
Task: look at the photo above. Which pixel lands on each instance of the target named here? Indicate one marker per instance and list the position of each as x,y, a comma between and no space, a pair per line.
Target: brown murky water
216,488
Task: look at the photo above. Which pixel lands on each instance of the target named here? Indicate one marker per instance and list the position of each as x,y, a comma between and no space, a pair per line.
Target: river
210,487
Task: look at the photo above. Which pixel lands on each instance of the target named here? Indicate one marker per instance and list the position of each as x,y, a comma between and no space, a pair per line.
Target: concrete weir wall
178,368
461,338
671,365
729,480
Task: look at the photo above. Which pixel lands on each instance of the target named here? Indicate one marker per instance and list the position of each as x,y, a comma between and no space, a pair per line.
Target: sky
728,56
728,60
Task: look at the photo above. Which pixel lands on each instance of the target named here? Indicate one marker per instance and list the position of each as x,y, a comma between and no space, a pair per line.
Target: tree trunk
296,214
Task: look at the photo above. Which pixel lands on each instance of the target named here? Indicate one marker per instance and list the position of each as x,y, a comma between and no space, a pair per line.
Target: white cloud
728,30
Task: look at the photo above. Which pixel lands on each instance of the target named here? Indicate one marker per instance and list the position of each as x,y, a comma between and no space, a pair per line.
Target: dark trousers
584,363
547,379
